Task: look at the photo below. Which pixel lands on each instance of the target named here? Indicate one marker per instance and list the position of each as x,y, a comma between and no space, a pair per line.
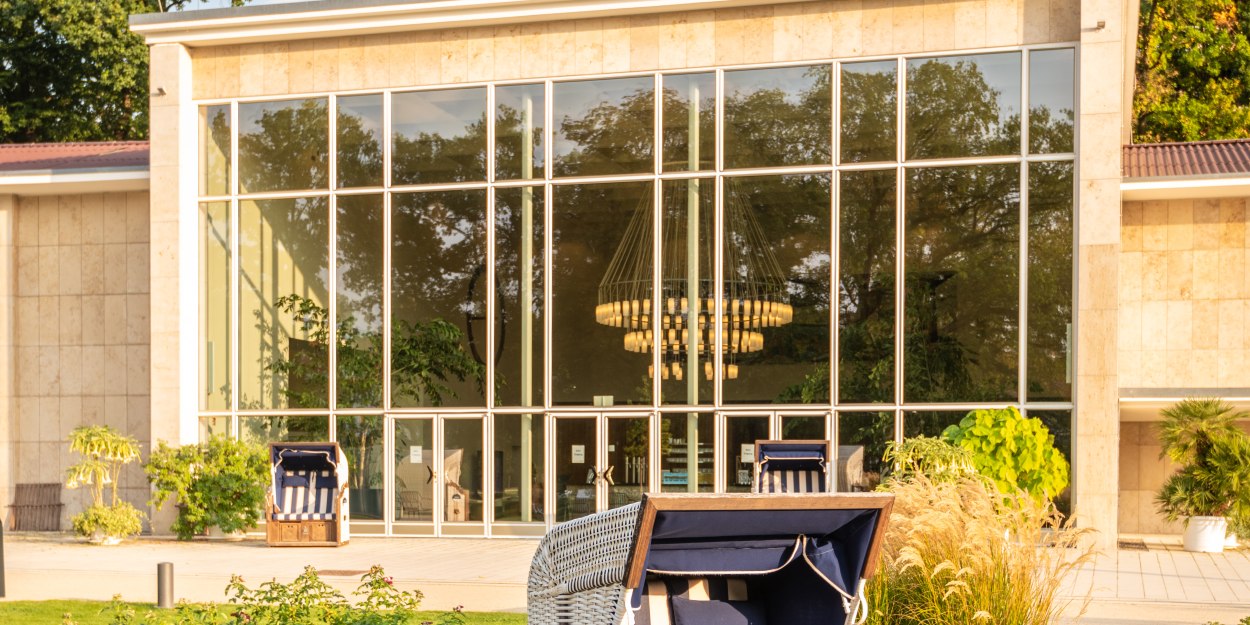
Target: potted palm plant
1213,481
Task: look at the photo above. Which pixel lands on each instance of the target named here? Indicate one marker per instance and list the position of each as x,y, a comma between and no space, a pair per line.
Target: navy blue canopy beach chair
792,466
734,559
307,501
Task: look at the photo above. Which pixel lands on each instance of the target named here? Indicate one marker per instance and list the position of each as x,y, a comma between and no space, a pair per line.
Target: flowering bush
306,601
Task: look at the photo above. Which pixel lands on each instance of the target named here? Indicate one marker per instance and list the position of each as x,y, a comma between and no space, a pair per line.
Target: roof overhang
1145,404
1176,188
73,181
308,20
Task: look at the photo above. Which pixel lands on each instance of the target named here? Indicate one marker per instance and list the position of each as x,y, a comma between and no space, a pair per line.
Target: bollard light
165,585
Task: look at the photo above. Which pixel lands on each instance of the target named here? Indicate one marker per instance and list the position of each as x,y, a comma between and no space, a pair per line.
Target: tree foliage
1192,58
73,71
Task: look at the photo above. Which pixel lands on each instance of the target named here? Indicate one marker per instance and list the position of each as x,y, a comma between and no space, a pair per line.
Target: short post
165,585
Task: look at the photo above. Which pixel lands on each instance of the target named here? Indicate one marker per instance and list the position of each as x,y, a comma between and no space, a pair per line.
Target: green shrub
934,458
120,520
104,452
218,483
1017,453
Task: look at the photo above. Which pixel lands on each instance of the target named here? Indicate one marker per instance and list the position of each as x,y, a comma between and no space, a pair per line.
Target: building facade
528,260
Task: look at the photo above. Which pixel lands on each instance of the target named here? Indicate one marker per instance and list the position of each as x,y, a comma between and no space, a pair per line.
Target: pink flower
390,581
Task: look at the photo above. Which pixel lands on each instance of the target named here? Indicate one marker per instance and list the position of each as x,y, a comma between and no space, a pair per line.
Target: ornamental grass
959,552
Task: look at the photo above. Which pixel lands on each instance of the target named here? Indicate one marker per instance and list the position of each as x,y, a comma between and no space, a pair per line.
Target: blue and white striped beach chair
307,502
792,466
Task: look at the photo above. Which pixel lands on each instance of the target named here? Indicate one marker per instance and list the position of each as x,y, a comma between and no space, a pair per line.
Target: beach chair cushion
306,496
792,481
715,612
663,592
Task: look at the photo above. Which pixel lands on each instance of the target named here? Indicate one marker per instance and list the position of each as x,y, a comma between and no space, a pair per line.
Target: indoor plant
104,452
1213,481
219,483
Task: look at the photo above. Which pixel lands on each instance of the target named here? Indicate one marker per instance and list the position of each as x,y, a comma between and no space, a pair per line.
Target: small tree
219,483
104,452
1018,453
1214,479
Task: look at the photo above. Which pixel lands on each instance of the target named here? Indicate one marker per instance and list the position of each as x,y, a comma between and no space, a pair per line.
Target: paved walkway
1150,581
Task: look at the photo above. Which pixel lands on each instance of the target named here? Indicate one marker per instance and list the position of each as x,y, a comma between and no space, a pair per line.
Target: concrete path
482,575
1150,581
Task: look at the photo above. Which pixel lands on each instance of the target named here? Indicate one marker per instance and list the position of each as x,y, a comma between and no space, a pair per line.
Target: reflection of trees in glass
361,441
438,282
869,112
359,146
963,106
866,286
1050,281
794,215
285,146
264,430
616,135
778,116
962,298
438,136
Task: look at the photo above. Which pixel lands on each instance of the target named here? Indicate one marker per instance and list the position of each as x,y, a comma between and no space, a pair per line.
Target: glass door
462,479
576,453
626,467
415,477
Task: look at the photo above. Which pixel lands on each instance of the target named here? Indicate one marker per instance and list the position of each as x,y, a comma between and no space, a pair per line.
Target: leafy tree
1192,59
72,70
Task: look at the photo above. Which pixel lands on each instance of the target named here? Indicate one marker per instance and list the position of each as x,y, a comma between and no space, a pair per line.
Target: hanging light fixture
753,297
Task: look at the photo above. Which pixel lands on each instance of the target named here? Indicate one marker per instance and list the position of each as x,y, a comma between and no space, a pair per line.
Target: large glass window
601,255
963,106
283,304
604,127
438,136
462,277
438,294
962,284
778,116
284,145
776,260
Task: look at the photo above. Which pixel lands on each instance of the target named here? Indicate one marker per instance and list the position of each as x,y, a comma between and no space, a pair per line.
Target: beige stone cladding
762,34
80,331
1185,294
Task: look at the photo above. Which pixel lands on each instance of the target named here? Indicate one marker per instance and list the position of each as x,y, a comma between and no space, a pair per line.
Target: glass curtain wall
472,270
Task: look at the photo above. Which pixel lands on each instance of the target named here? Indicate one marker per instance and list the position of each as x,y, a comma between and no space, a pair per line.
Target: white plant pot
99,538
1206,534
215,532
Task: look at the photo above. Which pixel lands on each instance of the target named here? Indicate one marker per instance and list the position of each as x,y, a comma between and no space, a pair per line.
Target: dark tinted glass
686,442
604,127
867,260
803,428
776,253
1051,100
438,295
778,116
361,439
359,141
962,284
862,437
438,136
519,115
688,232
689,122
283,145
869,111
740,436
963,106
589,362
1050,282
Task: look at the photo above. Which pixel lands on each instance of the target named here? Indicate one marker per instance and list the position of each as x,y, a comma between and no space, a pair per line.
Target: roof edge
306,20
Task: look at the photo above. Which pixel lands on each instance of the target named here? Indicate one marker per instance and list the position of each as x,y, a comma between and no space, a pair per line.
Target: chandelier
753,296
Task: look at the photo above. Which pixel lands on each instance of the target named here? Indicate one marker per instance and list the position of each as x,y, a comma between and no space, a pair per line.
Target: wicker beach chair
735,559
307,501
792,466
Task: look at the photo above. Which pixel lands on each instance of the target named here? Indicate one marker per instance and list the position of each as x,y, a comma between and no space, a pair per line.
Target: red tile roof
1190,159
82,155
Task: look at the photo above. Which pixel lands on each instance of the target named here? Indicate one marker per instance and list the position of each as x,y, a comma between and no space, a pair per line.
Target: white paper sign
414,454
611,447
748,453
579,454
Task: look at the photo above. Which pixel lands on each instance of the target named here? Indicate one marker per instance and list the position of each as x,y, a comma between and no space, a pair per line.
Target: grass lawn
89,613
